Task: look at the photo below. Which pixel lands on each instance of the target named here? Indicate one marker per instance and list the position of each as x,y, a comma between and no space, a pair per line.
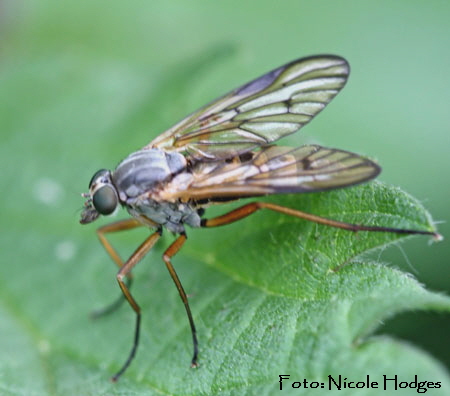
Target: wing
260,112
274,170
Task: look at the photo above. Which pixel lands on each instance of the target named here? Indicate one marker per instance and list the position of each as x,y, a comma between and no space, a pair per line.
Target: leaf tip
437,237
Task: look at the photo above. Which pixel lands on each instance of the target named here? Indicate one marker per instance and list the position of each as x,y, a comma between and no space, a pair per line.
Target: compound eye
105,200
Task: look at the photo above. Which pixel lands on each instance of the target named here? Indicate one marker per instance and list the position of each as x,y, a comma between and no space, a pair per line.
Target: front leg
137,256
121,225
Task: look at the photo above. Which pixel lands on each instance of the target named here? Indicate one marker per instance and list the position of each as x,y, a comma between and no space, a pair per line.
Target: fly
224,152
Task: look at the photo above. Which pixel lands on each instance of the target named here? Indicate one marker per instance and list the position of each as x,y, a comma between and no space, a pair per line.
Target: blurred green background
74,74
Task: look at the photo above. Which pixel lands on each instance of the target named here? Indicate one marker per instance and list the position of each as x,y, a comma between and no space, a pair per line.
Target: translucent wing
260,112
274,170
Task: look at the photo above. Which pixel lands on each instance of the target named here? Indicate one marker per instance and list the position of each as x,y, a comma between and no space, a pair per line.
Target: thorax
138,178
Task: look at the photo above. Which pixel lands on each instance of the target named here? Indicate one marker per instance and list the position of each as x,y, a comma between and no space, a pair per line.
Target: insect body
224,152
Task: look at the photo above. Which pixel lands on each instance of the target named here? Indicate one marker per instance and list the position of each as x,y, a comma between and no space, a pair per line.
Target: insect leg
252,207
168,254
121,225
138,254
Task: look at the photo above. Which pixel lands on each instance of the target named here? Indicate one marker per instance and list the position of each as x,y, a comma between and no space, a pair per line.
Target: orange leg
171,251
138,254
121,225
252,207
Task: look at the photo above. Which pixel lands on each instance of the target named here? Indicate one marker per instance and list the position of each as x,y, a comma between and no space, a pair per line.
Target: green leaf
270,294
